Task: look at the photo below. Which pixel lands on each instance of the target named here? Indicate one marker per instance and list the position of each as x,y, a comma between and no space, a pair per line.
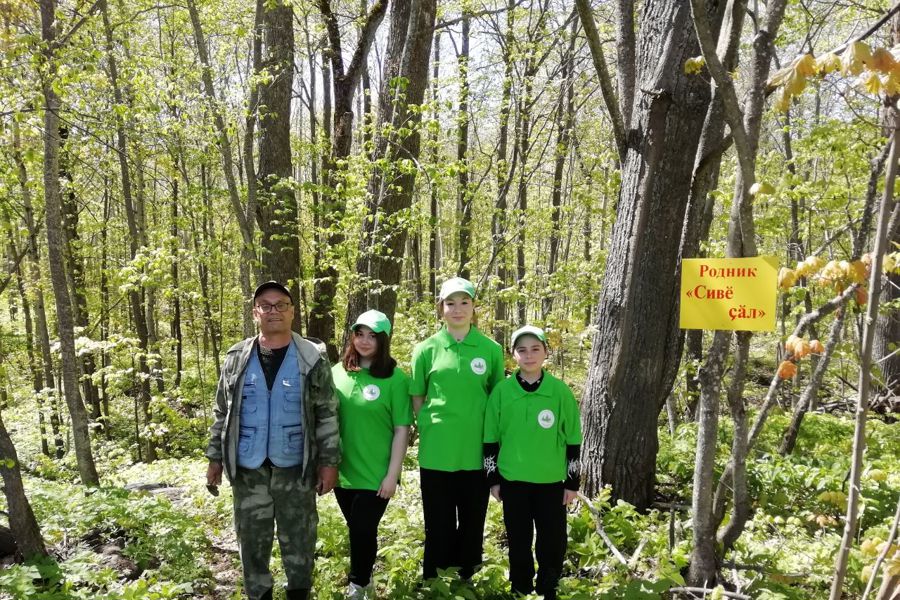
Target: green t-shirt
455,378
370,408
533,429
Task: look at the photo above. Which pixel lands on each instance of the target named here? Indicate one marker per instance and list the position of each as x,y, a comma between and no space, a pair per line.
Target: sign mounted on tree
729,293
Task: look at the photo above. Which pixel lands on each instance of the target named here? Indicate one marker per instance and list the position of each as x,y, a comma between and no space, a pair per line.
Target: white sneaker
357,592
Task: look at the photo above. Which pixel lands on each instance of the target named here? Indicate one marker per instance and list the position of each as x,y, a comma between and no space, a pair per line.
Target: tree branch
476,15
606,87
366,39
731,108
334,38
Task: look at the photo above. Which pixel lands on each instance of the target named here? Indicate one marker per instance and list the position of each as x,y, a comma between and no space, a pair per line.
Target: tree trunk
504,176
104,305
134,234
391,188
887,327
745,129
565,115
865,366
433,259
704,180
629,376
33,363
45,387
810,393
243,214
524,143
175,327
344,84
55,242
464,196
276,209
22,522
75,270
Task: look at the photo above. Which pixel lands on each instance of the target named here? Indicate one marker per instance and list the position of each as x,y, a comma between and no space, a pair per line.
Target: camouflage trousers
262,498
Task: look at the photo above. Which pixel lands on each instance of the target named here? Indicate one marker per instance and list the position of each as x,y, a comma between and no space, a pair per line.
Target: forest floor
177,541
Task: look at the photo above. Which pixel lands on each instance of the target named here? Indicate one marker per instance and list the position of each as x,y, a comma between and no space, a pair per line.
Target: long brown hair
383,363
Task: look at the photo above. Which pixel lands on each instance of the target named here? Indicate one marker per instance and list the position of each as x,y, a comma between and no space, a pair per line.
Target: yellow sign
729,293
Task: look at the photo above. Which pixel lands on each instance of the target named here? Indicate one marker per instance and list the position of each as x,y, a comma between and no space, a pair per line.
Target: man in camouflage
276,438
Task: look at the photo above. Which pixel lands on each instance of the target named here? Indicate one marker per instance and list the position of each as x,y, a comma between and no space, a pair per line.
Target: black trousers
455,505
526,507
363,510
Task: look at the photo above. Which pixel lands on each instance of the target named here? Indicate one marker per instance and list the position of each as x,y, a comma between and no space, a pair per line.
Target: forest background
158,159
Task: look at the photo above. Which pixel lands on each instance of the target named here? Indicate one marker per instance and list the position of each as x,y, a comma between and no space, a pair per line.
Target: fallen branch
598,520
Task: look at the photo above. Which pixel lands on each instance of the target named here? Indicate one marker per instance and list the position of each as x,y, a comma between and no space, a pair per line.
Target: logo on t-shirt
371,392
479,366
546,419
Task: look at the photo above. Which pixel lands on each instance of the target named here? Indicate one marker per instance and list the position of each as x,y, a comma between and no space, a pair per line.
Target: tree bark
433,258
629,375
75,271
34,364
565,115
344,83
24,526
276,208
464,195
43,387
55,241
405,79
606,85
745,129
135,236
244,214
865,367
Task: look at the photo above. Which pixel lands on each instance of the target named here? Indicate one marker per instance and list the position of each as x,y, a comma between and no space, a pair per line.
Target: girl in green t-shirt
375,415
532,440
453,371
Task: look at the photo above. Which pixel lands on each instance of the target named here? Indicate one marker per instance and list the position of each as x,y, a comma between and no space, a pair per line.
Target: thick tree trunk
637,348
276,209
55,242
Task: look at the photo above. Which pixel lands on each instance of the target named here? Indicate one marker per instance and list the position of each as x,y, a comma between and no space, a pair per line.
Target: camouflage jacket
321,445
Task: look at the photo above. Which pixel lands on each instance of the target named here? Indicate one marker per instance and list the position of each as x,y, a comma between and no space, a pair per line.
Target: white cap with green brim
375,320
528,330
456,284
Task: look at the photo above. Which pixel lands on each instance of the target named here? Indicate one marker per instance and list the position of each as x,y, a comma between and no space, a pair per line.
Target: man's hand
214,474
327,480
495,492
569,496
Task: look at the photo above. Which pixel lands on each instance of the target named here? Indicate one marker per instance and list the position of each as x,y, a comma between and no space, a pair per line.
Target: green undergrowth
176,538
